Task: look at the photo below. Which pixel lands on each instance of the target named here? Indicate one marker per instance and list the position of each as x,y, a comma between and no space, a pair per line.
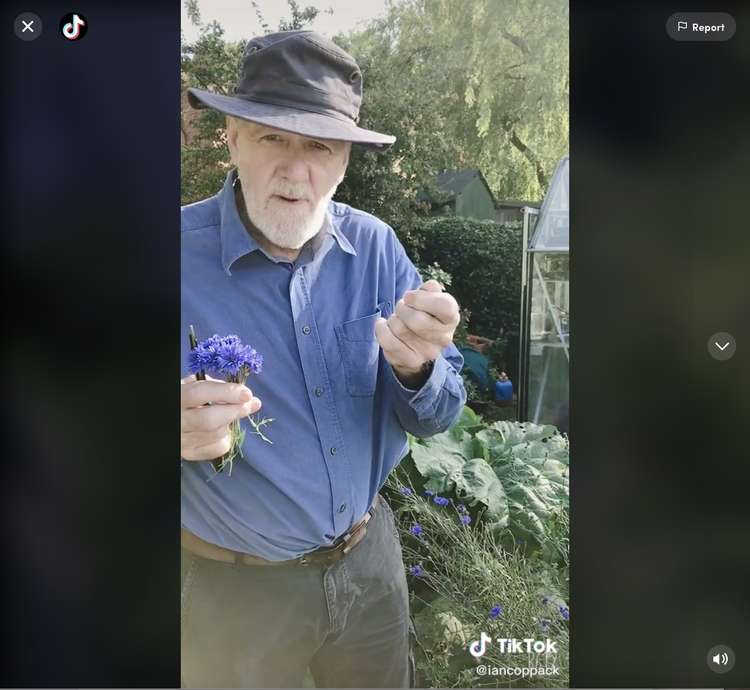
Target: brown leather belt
324,556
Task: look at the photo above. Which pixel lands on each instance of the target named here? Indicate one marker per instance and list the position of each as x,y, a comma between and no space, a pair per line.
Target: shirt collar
236,241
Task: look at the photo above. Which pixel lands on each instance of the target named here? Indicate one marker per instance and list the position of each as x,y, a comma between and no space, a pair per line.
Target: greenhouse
545,307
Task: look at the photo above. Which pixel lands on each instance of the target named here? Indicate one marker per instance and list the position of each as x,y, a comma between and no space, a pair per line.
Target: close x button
701,26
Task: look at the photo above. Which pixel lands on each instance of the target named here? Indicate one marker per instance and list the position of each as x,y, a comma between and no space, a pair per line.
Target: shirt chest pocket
360,351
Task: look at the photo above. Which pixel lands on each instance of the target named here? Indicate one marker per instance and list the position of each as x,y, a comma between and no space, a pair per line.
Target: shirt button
333,450
306,330
318,391
342,507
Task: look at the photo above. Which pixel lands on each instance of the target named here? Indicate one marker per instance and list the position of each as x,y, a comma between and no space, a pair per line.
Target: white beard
285,225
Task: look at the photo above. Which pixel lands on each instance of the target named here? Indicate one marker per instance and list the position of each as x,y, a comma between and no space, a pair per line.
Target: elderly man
292,561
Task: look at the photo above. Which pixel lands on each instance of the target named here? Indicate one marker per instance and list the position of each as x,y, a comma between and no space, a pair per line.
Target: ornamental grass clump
227,358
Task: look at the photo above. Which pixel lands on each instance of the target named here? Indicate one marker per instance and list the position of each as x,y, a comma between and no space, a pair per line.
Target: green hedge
484,259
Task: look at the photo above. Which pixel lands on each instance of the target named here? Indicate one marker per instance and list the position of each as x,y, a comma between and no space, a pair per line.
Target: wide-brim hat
300,82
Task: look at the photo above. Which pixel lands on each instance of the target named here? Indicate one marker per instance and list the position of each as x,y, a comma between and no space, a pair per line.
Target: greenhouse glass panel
549,339
552,231
546,300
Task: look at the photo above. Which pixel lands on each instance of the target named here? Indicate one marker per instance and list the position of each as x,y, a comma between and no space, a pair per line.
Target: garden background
476,92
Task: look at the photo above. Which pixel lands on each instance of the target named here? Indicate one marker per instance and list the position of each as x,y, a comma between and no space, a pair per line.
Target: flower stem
257,425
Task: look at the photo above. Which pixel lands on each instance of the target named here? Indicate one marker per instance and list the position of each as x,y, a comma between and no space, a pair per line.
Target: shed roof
455,181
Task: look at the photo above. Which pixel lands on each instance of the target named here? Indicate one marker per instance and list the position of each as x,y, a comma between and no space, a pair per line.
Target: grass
466,573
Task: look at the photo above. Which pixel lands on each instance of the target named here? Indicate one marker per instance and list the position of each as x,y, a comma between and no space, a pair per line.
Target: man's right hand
205,428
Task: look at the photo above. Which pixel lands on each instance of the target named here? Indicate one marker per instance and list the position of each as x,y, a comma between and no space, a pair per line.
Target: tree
481,82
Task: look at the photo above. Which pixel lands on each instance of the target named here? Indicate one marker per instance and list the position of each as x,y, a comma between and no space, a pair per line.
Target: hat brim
303,122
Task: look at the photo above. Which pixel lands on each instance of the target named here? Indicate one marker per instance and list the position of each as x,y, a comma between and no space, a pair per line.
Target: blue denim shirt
340,414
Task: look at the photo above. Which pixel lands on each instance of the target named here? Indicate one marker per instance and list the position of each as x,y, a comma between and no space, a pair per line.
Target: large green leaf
438,465
517,471
480,483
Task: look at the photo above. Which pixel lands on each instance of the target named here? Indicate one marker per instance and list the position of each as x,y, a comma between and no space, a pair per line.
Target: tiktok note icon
479,647
73,26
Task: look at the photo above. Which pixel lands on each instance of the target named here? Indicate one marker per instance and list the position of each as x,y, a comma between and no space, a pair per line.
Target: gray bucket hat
301,82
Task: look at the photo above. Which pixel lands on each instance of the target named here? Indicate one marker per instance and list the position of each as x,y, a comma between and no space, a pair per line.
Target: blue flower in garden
496,611
564,612
461,508
429,493
440,501
406,491
417,570
416,529
466,519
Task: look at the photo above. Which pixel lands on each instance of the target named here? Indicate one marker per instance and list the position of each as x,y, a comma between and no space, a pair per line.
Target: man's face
287,179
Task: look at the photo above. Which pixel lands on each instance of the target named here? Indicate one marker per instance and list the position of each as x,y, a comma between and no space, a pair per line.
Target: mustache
293,192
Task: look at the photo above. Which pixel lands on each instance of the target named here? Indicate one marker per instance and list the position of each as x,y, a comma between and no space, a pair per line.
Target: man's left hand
422,325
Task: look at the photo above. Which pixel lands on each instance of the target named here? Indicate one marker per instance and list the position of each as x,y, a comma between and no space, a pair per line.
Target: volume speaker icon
720,658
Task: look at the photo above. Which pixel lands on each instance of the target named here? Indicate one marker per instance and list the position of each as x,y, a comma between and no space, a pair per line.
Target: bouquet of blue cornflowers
225,357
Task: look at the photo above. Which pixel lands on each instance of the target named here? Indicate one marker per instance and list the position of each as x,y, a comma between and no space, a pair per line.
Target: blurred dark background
660,254
90,249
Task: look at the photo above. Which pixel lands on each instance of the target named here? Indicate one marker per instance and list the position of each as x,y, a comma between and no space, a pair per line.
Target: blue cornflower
225,356
406,491
200,359
417,570
429,493
564,612
440,501
416,529
253,360
466,519
496,611
461,508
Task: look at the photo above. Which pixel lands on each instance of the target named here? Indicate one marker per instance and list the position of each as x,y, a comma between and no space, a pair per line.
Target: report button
701,26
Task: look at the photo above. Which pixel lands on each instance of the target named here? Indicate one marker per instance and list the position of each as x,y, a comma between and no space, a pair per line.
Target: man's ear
232,132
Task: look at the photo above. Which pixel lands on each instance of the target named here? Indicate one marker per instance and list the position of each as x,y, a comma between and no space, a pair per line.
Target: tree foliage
461,83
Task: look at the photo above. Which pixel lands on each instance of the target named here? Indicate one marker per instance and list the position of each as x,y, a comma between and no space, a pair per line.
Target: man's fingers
440,305
212,417
400,330
395,351
197,439
426,349
197,393
431,286
208,452
424,325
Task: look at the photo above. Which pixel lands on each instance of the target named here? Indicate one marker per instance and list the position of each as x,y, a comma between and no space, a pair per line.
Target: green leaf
479,483
438,465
